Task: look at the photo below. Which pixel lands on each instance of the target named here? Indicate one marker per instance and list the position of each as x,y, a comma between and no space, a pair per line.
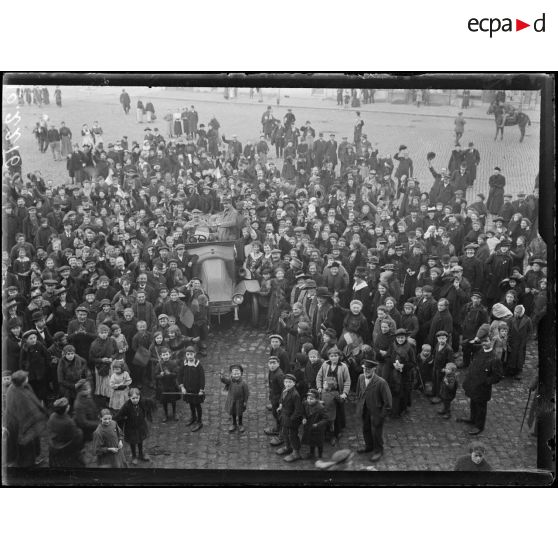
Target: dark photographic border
545,473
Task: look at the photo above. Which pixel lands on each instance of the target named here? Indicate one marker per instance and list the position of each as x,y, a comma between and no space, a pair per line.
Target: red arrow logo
519,25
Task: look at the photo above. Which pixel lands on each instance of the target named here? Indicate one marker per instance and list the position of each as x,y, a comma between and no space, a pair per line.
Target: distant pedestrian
125,101
53,136
357,129
340,97
466,98
139,112
459,126
150,111
65,140
346,98
58,97
496,183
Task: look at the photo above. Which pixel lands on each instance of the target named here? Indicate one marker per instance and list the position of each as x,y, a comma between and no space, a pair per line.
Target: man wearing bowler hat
373,406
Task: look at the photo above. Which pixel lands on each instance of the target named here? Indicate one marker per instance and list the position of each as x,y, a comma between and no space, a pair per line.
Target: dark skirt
137,434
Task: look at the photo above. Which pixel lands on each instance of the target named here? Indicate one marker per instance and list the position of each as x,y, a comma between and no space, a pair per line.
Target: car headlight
238,299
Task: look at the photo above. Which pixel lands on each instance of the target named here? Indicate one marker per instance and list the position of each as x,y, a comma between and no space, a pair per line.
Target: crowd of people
373,288
37,96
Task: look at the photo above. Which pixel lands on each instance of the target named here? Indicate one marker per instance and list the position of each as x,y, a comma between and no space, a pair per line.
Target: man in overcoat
485,369
373,405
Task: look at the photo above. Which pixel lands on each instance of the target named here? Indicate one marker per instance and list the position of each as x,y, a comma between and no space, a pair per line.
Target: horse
503,117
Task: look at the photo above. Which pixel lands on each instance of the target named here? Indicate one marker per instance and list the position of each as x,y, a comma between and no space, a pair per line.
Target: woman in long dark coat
63,312
521,328
498,267
86,414
65,438
25,420
13,345
35,359
495,200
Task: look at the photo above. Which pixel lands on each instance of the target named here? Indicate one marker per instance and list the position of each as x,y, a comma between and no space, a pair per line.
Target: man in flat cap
471,157
275,377
374,403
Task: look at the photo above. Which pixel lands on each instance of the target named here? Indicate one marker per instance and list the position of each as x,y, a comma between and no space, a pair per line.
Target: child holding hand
119,383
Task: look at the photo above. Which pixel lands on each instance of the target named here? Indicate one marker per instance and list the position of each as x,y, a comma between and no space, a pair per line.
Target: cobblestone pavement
420,441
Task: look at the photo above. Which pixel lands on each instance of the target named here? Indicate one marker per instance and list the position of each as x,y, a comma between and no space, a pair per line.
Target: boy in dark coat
276,349
290,413
166,385
474,461
133,417
314,423
442,355
311,369
275,380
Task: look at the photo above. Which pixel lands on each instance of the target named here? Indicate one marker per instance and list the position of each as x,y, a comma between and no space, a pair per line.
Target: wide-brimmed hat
323,292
